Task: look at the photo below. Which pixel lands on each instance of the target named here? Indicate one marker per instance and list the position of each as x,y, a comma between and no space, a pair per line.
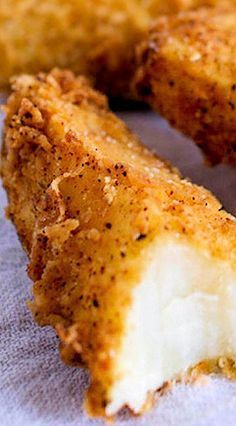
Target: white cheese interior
183,311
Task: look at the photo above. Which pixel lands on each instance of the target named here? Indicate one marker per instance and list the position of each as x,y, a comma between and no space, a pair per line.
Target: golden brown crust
87,200
187,73
95,37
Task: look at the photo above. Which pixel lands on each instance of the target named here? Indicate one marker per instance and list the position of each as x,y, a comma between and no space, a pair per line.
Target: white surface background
36,388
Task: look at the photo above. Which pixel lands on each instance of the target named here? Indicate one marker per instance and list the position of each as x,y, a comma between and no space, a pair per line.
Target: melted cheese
183,312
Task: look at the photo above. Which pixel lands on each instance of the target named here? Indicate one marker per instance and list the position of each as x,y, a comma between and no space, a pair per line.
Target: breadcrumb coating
87,200
187,72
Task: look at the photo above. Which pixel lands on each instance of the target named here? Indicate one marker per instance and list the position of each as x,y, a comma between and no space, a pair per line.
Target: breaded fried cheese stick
187,73
133,266
95,37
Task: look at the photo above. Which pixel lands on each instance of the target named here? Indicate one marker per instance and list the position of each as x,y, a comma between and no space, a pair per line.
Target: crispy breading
95,37
88,201
187,72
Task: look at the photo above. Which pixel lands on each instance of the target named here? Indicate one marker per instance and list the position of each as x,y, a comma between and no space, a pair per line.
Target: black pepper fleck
95,303
141,237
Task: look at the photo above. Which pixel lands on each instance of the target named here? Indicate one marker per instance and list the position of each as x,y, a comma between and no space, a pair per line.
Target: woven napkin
36,388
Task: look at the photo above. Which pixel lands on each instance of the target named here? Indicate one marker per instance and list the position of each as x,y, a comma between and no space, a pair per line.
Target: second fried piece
188,73
94,37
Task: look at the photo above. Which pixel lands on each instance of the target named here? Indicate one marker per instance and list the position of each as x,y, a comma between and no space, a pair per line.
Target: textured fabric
36,388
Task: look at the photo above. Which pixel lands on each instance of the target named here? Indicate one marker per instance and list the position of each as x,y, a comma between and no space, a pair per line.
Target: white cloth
36,388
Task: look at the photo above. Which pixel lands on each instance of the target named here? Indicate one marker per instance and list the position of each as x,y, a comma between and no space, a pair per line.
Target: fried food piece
187,72
95,37
134,266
